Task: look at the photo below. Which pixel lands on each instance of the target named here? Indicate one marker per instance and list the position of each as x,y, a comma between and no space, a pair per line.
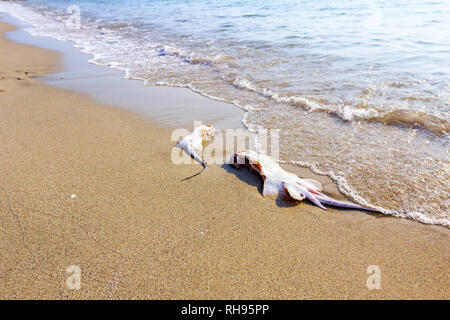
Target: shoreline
174,106
109,86
137,232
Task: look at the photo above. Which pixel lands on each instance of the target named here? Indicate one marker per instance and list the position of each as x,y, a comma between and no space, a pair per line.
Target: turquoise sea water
360,89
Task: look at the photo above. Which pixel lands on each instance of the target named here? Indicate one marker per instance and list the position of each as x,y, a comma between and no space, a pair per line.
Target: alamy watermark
374,280
73,282
226,142
73,22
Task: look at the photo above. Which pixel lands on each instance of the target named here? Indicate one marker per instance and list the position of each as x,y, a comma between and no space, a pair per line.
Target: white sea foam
345,112
345,188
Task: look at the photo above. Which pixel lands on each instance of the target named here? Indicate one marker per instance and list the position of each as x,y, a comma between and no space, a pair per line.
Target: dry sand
136,231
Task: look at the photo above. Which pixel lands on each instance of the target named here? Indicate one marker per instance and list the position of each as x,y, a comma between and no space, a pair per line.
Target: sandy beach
91,185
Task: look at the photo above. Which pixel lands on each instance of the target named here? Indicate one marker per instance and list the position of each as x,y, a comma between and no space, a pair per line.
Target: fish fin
293,192
314,200
316,184
269,190
299,193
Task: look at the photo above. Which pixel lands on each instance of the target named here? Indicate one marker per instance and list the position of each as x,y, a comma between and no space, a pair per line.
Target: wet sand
92,185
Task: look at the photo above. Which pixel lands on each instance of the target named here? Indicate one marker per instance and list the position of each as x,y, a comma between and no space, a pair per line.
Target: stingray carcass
194,143
277,180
